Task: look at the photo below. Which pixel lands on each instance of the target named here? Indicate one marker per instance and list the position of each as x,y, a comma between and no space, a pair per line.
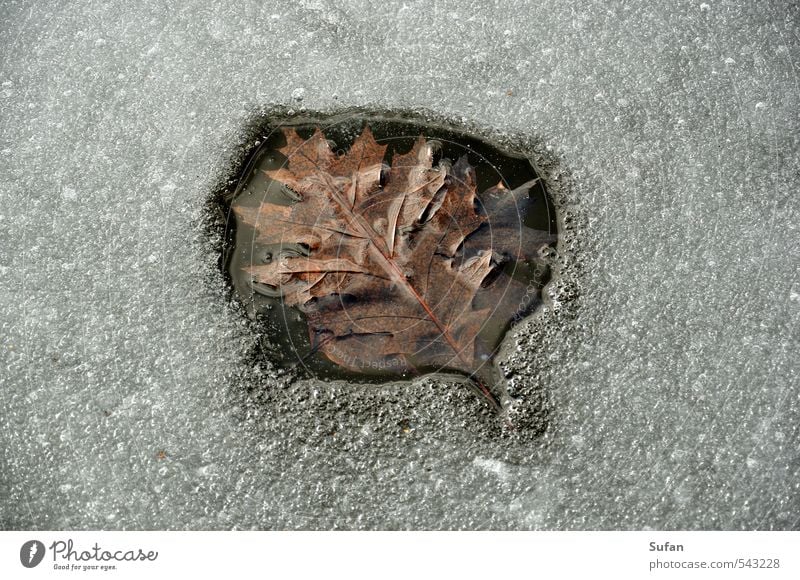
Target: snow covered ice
673,391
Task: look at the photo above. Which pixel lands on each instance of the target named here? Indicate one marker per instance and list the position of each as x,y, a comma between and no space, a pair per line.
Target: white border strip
402,555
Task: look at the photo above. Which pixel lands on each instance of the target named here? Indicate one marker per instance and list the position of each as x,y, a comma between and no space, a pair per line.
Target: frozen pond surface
673,396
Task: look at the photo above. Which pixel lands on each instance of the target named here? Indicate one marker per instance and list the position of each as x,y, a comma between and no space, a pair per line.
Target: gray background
671,380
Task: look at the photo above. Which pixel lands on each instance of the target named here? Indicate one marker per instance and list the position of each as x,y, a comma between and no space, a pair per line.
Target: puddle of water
291,345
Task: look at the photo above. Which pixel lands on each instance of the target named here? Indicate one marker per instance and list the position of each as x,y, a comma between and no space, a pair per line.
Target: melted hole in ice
285,327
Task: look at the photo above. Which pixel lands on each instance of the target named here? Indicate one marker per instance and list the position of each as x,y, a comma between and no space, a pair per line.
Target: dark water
287,341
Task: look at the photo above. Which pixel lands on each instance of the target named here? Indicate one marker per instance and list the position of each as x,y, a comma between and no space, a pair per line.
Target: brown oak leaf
397,267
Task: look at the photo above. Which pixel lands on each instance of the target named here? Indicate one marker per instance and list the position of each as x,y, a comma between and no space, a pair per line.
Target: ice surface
673,394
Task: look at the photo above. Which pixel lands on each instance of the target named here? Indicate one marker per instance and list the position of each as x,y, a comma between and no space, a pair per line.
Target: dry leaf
397,268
